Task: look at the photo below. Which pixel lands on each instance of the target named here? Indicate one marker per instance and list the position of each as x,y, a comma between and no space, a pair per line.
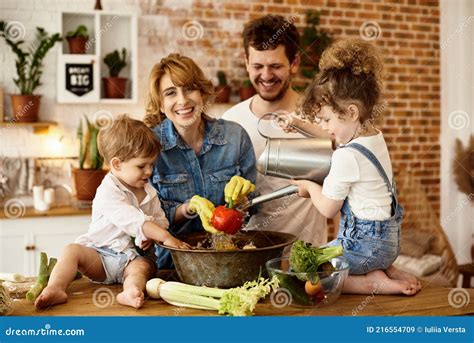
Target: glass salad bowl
305,290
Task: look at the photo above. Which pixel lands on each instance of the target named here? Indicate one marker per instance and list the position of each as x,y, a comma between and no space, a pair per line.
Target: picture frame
78,79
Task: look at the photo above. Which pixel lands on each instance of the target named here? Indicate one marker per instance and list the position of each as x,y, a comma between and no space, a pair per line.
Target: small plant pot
86,182
246,92
25,107
115,87
222,94
77,45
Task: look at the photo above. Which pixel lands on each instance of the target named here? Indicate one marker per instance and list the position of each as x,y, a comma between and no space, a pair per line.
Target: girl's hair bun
356,55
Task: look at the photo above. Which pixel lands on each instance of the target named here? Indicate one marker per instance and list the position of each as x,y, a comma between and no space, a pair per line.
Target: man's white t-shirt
290,214
353,176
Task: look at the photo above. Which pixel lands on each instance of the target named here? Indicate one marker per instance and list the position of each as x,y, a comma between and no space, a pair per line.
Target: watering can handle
303,132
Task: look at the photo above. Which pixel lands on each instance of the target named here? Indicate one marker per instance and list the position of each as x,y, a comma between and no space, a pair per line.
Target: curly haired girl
343,100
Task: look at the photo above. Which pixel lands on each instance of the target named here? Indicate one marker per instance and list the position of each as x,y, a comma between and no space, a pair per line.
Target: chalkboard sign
79,78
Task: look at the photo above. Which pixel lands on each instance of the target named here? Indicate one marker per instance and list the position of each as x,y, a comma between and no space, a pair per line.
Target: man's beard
279,95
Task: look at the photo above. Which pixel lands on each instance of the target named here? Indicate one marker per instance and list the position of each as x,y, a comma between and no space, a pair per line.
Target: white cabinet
22,240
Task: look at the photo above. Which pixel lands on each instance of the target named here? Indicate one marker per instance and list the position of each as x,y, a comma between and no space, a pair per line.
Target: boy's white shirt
290,214
353,176
117,215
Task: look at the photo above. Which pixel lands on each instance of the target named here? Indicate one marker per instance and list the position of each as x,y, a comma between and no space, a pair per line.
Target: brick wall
407,31
210,32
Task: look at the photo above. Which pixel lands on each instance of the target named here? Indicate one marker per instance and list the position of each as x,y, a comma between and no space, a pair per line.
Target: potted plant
115,86
29,68
313,43
89,175
246,90
222,90
77,40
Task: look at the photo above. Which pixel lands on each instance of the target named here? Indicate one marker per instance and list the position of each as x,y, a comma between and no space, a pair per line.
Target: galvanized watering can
292,158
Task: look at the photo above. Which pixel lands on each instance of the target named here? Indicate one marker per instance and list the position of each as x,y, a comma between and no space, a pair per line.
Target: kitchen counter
30,212
83,295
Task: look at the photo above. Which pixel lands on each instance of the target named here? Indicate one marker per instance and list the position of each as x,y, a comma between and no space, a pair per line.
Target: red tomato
227,220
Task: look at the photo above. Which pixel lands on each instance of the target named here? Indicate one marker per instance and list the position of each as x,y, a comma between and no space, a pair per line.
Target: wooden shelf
39,127
30,212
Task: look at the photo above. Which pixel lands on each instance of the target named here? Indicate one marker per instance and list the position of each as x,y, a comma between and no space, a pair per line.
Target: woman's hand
237,189
205,209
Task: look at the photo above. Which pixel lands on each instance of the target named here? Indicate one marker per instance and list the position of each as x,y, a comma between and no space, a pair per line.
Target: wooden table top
89,299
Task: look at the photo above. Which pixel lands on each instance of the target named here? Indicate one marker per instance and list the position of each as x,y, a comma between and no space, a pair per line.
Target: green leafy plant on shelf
222,90
116,62
77,40
115,86
29,68
88,148
29,62
80,31
313,42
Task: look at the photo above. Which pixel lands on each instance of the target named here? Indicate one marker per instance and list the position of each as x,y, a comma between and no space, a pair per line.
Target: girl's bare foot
133,297
397,274
377,282
50,296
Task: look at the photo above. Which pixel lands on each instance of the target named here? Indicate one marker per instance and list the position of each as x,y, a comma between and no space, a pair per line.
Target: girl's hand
176,243
302,187
287,120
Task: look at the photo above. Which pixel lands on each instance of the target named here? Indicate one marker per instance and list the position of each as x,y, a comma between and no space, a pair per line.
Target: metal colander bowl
226,269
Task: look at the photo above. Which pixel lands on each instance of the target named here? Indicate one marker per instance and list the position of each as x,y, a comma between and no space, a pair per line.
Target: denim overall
370,244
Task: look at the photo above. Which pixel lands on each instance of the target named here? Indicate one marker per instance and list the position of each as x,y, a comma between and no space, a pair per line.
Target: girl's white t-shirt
352,175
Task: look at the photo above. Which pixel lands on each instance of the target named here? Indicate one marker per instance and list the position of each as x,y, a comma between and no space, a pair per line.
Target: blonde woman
199,154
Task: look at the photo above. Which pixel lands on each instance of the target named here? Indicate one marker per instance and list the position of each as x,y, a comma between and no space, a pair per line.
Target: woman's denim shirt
179,173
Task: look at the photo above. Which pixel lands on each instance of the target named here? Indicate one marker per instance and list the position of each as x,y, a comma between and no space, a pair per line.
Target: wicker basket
420,215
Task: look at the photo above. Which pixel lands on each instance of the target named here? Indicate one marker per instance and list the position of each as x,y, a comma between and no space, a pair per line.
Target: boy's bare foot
133,297
50,296
377,282
397,274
